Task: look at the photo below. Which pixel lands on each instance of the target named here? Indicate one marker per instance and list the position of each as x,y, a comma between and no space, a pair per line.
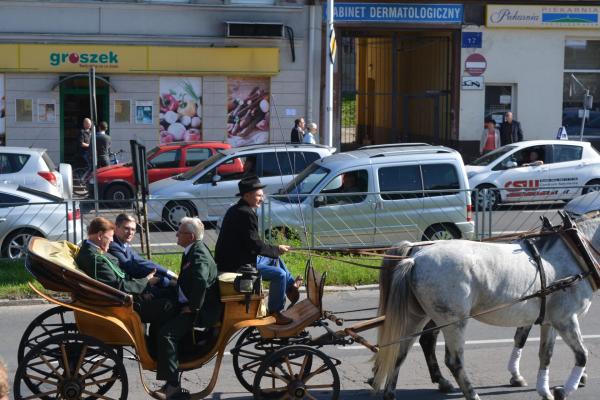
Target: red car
115,182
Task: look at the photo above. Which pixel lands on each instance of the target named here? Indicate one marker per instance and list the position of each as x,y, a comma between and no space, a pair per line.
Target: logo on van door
107,59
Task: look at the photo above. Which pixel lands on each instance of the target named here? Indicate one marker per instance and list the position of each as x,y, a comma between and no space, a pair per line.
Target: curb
327,289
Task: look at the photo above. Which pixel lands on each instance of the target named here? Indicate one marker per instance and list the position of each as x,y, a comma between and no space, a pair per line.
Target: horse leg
547,340
428,342
455,341
521,335
571,334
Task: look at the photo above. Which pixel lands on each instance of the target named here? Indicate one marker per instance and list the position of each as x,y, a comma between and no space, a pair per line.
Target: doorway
499,100
74,107
397,87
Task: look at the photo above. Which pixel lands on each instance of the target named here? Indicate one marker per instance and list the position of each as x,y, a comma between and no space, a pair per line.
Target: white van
376,195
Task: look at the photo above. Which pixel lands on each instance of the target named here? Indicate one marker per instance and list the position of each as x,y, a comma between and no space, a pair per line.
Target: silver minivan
376,195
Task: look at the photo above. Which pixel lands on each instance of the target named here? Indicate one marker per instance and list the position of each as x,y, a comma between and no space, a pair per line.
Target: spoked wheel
284,375
70,367
55,321
247,356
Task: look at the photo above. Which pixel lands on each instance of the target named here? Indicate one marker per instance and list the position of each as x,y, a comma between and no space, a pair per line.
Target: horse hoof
583,380
389,396
518,381
559,393
445,386
369,382
548,397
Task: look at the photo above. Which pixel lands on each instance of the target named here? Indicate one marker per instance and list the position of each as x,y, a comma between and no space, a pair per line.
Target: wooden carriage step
303,314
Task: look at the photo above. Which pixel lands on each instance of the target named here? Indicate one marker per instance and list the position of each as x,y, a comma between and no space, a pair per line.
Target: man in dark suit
297,131
510,130
129,260
198,304
103,142
239,243
93,258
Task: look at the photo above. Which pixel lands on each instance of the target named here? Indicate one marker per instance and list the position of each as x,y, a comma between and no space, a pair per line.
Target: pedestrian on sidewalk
310,137
297,131
510,130
490,140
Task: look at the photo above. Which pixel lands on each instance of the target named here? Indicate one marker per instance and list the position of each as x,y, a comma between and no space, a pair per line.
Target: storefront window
582,71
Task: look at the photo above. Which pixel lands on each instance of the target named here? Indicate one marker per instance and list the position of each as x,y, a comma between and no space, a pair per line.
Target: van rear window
401,182
440,177
11,163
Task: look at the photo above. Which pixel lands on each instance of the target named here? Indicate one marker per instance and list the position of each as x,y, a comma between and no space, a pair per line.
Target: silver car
26,212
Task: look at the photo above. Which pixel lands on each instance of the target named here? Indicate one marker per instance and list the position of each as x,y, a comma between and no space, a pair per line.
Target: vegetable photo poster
248,111
180,115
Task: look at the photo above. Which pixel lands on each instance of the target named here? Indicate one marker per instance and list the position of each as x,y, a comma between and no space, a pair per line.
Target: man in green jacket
93,259
198,303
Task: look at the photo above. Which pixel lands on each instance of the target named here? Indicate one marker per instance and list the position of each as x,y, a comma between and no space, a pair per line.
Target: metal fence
324,220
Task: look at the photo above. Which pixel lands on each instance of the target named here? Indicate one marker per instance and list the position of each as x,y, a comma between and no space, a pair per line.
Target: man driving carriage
198,304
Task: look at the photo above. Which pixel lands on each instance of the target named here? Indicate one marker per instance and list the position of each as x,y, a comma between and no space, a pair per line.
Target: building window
582,71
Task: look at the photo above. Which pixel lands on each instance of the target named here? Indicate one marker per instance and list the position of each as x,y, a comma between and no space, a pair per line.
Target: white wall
532,60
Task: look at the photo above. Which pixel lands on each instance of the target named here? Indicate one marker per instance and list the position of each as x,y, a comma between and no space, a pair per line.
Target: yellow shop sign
138,59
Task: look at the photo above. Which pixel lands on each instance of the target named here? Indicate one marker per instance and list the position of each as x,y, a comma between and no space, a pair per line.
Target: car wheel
441,232
592,186
116,194
15,244
176,210
490,199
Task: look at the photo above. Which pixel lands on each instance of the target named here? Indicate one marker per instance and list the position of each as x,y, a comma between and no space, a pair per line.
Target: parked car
587,205
408,192
562,170
26,212
115,182
34,168
208,189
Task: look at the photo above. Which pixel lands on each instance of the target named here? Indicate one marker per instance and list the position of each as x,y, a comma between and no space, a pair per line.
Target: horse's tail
401,308
387,269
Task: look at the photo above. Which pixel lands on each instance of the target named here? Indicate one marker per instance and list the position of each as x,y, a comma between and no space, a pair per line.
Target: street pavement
486,354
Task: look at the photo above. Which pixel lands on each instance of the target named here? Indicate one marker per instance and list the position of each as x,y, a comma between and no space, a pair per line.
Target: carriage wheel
284,375
69,367
52,322
247,357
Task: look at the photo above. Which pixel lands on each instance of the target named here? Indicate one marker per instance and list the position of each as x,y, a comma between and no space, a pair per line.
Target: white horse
451,280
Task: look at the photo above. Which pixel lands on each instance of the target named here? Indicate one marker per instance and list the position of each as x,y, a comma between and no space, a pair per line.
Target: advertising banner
2,112
248,106
180,117
557,17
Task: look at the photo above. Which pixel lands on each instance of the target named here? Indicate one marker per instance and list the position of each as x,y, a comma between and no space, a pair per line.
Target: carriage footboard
364,326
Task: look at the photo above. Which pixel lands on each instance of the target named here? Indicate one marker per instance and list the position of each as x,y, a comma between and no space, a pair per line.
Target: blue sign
471,40
394,12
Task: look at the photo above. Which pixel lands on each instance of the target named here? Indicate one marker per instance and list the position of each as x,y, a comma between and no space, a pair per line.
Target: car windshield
152,152
190,174
492,156
305,182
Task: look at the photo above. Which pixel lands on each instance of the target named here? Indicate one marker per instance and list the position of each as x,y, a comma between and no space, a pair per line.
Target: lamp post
587,104
328,136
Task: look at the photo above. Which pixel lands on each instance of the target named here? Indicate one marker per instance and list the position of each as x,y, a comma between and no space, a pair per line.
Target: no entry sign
475,64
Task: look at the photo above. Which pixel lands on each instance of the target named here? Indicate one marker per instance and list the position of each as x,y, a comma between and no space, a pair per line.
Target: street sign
472,83
472,40
332,47
475,64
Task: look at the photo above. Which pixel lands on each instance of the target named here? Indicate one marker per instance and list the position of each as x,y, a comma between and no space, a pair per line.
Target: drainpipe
310,79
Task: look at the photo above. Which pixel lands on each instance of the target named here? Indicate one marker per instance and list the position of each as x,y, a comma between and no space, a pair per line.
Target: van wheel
176,210
441,232
591,186
489,200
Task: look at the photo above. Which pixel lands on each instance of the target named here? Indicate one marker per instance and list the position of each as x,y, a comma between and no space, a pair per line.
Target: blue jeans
275,271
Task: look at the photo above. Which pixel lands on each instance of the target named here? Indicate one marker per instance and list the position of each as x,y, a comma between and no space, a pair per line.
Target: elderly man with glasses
198,304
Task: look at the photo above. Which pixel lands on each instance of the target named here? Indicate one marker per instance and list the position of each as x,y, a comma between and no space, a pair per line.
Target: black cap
249,184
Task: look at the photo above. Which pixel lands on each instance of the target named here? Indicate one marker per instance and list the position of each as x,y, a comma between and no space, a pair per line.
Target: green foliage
13,280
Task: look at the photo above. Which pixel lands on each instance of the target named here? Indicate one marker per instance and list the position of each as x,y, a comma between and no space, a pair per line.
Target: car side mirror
215,179
511,164
319,201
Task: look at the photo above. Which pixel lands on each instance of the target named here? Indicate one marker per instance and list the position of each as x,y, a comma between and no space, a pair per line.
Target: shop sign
472,83
540,16
399,13
121,59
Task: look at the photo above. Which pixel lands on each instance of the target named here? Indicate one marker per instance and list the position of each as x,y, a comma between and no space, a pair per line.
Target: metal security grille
395,87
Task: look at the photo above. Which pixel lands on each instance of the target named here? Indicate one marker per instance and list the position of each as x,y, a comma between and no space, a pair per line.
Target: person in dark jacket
85,142
510,130
199,304
297,131
93,259
103,142
239,243
129,260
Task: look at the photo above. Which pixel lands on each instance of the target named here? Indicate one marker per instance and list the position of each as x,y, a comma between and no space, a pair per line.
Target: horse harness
580,249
